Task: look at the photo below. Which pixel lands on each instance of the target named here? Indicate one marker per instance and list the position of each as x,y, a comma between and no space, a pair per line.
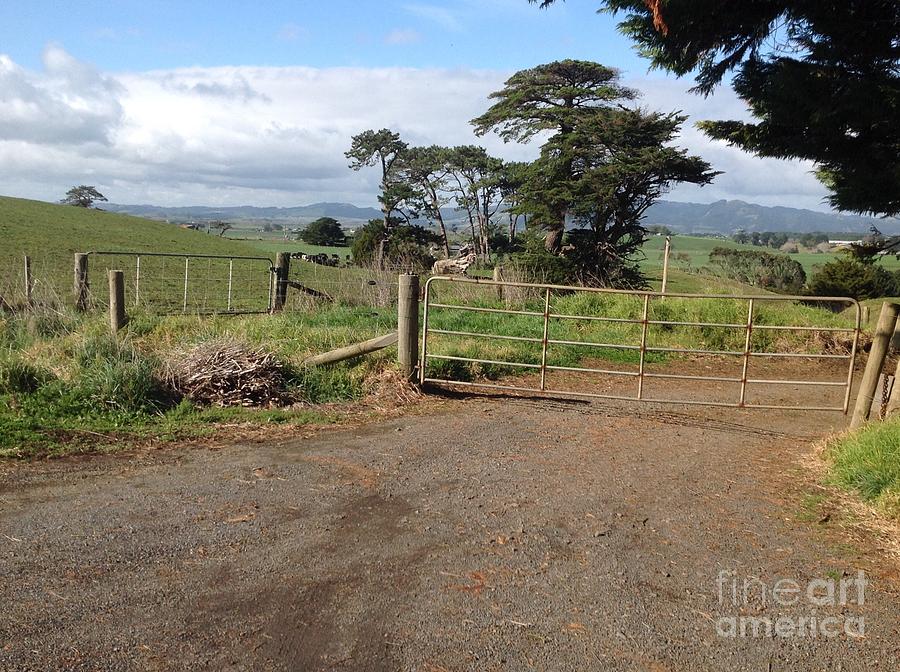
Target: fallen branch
354,350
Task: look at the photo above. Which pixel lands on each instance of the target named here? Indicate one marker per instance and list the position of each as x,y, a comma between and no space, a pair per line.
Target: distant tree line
777,240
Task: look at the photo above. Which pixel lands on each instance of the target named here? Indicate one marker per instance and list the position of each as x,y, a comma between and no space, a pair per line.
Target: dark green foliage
761,269
534,263
425,170
820,78
849,277
601,168
403,246
325,231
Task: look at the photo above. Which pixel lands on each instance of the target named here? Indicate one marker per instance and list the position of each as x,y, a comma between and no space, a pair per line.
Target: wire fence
173,283
348,285
165,283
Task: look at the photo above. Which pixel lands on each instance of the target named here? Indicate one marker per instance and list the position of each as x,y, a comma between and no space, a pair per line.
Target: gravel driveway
484,533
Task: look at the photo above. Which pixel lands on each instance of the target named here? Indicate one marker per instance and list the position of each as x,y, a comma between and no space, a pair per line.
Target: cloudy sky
230,103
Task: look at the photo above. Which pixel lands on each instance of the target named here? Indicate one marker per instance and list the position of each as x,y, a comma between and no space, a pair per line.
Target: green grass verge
66,385
867,463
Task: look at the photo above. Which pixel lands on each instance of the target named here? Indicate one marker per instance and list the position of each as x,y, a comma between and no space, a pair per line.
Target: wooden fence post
665,273
282,275
82,295
408,324
498,277
117,316
887,322
29,283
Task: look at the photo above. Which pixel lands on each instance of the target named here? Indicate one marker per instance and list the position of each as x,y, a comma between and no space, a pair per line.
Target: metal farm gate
552,339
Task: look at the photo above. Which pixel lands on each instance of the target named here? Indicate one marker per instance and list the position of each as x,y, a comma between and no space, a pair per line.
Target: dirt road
483,534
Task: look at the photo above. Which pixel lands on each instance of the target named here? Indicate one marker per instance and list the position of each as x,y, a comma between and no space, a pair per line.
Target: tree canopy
820,77
324,231
602,165
83,196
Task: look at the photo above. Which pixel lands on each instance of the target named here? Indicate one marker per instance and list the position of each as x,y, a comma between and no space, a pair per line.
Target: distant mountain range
249,213
727,217
721,217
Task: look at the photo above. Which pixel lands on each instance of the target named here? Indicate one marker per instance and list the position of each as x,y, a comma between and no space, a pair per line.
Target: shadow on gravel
612,408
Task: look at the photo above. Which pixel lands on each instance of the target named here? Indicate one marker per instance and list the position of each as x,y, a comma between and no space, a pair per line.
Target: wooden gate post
282,275
880,345
498,276
117,316
29,283
81,282
408,324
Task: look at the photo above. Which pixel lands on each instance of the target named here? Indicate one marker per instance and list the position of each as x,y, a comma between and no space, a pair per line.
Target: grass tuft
867,463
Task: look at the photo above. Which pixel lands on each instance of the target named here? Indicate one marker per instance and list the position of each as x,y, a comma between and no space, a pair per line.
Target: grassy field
45,230
698,249
51,234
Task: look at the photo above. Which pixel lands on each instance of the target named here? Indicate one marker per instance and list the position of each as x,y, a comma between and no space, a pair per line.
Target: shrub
405,245
848,277
761,269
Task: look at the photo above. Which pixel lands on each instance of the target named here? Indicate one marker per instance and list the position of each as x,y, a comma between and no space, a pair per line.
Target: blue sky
142,35
180,103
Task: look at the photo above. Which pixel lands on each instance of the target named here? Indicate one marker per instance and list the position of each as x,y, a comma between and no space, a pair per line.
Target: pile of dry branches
228,373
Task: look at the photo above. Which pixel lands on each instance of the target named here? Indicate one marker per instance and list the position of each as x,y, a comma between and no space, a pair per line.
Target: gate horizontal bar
718,379
609,372
596,318
477,309
803,355
483,361
823,383
483,335
697,324
696,351
596,345
777,327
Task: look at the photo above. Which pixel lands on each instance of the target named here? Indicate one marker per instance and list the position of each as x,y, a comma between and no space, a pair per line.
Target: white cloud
402,36
277,135
68,103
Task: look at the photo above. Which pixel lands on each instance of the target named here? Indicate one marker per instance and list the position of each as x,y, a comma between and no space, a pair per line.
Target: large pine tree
821,78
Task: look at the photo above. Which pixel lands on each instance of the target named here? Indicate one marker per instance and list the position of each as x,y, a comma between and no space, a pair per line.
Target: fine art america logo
818,608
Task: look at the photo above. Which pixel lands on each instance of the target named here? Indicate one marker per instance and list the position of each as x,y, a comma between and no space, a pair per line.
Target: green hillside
51,235
45,230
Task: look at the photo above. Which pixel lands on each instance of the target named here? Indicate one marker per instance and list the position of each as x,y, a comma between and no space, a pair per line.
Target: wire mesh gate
638,331
170,283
